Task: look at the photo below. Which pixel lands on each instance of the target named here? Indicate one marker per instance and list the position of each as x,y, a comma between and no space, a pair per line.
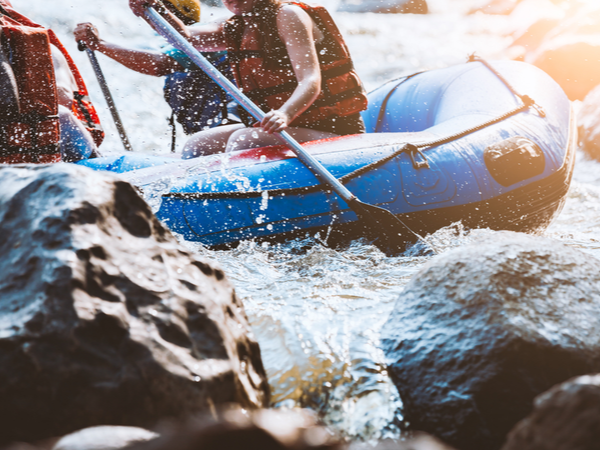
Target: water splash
317,313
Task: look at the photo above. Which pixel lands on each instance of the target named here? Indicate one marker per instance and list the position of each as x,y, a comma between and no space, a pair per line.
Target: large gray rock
104,317
480,331
565,418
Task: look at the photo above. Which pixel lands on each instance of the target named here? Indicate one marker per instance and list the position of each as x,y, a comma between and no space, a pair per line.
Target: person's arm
206,37
149,63
296,31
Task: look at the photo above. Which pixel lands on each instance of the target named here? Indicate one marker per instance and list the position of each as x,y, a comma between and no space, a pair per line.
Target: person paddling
289,58
197,102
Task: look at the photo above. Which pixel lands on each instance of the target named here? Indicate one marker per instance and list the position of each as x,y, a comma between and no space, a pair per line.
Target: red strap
90,115
81,87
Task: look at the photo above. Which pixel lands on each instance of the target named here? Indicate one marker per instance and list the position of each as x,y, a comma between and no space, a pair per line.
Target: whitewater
317,312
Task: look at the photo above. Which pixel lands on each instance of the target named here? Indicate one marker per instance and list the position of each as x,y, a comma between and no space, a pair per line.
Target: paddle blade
389,233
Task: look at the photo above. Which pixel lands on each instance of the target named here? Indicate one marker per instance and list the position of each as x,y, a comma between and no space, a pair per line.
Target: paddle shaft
107,95
178,41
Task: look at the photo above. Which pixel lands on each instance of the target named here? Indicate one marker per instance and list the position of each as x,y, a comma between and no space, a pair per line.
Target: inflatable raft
490,145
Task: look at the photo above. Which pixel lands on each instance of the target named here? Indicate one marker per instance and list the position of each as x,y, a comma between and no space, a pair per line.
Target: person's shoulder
291,11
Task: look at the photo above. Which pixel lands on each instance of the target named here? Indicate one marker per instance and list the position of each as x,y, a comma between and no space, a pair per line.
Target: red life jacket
32,135
271,85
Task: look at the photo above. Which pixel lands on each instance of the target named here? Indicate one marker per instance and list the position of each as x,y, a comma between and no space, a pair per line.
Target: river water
317,312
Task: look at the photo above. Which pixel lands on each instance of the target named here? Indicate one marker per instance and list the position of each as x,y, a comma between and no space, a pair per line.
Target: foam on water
317,312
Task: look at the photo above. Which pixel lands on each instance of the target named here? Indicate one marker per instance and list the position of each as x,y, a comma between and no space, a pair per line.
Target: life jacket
271,85
197,102
83,109
29,133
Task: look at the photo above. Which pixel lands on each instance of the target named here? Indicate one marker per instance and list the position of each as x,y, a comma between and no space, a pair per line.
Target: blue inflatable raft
491,145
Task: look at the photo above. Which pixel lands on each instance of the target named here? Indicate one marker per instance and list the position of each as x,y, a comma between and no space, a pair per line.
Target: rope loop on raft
527,100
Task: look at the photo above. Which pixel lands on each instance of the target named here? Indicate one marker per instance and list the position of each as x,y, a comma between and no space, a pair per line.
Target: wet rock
588,121
260,430
535,20
570,52
417,441
567,417
104,438
385,6
41,445
531,38
573,62
481,330
104,317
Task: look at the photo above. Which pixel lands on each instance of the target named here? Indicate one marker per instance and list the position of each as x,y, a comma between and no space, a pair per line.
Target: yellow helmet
186,10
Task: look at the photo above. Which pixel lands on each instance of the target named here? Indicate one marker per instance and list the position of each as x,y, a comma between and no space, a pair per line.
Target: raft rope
413,150
383,107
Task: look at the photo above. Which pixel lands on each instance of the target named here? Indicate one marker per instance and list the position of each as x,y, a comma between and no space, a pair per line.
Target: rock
105,319
499,7
588,121
570,52
533,20
260,430
531,38
417,441
25,446
565,418
573,62
385,6
481,330
104,438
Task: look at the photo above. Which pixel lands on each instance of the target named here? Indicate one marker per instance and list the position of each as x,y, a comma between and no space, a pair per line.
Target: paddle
390,232
107,95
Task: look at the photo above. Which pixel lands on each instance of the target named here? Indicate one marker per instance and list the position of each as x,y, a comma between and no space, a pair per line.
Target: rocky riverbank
114,334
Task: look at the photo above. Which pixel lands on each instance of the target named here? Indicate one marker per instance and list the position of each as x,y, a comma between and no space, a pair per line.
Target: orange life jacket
32,135
271,85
